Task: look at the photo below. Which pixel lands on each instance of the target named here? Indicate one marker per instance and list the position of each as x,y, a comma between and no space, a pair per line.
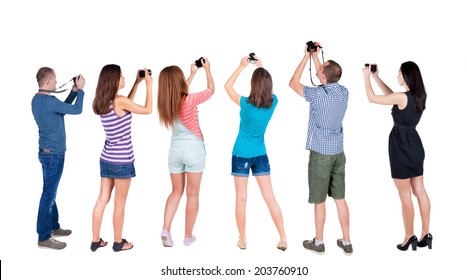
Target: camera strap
52,91
322,56
57,90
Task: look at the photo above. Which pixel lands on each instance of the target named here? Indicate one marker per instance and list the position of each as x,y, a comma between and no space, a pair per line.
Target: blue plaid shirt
328,104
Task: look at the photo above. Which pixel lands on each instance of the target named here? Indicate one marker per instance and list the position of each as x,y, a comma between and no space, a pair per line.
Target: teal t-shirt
253,124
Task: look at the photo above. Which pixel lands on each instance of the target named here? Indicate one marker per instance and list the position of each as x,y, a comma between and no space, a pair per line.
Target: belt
404,126
44,150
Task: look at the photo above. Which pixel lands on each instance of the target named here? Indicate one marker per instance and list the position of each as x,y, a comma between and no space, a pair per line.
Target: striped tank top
118,148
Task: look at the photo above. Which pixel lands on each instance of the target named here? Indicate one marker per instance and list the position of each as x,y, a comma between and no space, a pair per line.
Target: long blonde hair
171,92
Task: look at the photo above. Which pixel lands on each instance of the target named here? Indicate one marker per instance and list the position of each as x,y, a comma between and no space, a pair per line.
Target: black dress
406,153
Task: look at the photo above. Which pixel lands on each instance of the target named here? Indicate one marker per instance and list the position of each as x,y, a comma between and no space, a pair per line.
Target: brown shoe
348,250
310,245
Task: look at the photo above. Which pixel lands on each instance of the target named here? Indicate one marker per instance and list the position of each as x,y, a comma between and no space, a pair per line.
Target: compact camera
252,59
198,62
372,67
311,46
142,73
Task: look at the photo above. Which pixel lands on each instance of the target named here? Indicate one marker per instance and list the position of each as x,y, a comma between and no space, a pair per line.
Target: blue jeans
52,169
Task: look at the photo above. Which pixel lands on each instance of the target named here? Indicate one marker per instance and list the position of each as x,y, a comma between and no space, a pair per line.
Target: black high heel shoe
426,241
412,241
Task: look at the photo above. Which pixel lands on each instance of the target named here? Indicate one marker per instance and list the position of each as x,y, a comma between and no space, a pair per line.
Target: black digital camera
142,73
311,46
252,59
372,67
198,62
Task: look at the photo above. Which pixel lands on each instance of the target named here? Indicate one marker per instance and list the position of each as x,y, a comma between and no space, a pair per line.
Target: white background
80,37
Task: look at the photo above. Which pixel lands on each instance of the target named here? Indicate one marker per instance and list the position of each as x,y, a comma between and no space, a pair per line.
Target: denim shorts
112,170
259,166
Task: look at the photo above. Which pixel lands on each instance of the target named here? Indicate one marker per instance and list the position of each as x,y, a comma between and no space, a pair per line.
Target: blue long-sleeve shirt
48,112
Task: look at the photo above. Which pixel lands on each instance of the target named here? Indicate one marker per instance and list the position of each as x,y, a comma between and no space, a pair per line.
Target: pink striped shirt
189,113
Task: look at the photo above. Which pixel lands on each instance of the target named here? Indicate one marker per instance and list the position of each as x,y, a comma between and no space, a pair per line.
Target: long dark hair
413,79
107,88
261,89
172,89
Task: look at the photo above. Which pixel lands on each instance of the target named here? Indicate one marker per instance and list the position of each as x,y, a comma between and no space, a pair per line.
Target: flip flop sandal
98,244
117,247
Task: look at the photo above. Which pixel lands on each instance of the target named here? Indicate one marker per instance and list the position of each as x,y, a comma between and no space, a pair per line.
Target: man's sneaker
346,248
51,243
61,232
310,245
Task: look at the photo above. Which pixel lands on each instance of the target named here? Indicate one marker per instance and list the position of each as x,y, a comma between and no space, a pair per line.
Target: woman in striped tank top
116,160
177,111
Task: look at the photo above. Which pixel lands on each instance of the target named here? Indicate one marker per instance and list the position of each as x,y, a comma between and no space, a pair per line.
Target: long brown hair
261,89
107,88
172,89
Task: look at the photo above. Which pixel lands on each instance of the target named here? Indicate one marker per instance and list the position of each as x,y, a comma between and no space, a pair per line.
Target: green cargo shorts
326,176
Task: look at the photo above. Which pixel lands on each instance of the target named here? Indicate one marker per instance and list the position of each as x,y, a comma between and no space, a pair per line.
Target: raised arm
123,103
193,70
138,80
380,83
315,56
295,81
399,99
67,107
71,97
207,68
231,81
79,84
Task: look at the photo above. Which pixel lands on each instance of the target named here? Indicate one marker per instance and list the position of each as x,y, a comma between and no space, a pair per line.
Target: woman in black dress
406,153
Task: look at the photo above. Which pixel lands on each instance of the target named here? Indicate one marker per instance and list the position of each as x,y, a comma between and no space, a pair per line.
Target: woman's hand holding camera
193,69
245,61
258,62
147,77
370,70
366,73
248,60
139,76
206,64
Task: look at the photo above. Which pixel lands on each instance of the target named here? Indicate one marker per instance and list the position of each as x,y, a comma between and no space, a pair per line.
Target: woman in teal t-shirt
249,151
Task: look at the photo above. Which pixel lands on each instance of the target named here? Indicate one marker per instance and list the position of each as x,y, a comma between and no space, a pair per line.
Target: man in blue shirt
49,115
325,140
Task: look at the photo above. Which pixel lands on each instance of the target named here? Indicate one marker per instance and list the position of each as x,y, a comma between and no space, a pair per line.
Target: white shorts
187,152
